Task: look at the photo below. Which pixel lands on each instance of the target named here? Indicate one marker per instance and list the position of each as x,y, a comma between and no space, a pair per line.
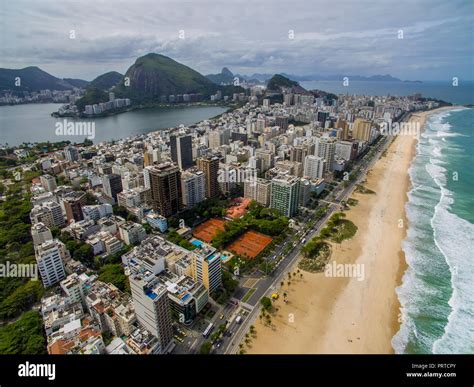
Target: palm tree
289,275
252,329
289,283
282,283
284,295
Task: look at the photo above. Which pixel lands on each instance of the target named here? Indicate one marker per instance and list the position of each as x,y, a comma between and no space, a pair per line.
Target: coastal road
269,284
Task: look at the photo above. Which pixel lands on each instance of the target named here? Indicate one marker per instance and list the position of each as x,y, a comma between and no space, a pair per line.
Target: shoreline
115,112
344,315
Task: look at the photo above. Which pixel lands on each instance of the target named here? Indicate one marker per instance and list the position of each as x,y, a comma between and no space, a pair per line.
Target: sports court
250,244
209,229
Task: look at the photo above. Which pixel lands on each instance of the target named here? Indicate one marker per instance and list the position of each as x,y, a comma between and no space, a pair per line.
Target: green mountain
149,78
79,83
107,81
31,79
92,95
225,76
278,81
155,75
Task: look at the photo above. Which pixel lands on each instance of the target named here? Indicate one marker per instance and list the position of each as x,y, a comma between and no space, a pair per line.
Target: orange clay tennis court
249,244
209,229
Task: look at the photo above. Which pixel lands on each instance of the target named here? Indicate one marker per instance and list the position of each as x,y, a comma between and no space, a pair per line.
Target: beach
352,314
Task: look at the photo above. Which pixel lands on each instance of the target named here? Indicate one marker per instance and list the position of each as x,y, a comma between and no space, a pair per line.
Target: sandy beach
349,314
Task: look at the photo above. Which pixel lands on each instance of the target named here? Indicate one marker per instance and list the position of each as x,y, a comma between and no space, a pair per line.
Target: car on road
221,317
178,338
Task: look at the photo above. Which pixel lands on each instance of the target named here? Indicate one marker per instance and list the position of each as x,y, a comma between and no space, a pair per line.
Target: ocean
462,94
437,290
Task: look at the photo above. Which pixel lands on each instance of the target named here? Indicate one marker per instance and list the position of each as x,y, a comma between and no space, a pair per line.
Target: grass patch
316,256
363,190
338,229
248,295
352,202
343,229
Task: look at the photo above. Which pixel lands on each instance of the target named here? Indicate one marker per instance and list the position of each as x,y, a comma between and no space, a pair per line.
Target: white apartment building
96,212
50,258
48,182
49,213
193,187
40,233
325,147
131,233
314,167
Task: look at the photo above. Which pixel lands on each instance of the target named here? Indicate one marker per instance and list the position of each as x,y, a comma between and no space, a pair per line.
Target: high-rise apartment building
48,182
314,167
50,257
40,233
112,184
71,153
210,166
258,190
49,213
361,129
164,181
182,150
73,203
206,267
193,187
285,194
282,122
152,307
267,158
325,147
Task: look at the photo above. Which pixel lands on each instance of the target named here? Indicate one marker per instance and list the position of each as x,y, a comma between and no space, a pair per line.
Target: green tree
205,348
24,336
21,299
266,303
113,273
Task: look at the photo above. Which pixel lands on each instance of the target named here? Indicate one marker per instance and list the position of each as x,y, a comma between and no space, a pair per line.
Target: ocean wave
454,237
436,294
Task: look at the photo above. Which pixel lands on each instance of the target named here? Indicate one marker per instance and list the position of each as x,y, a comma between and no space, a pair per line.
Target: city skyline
422,41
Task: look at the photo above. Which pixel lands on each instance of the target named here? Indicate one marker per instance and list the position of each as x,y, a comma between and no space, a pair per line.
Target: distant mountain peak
32,78
224,77
226,71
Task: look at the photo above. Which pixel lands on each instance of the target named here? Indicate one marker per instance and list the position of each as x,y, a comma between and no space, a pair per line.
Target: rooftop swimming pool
196,243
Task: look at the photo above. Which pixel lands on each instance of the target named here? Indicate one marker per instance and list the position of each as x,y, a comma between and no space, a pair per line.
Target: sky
409,39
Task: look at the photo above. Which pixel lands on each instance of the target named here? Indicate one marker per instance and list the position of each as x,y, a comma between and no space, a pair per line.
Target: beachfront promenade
269,284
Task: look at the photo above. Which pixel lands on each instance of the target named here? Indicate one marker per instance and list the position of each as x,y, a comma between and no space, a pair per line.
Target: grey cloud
344,37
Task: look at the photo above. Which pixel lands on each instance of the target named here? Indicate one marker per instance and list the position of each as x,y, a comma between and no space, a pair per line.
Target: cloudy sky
350,37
